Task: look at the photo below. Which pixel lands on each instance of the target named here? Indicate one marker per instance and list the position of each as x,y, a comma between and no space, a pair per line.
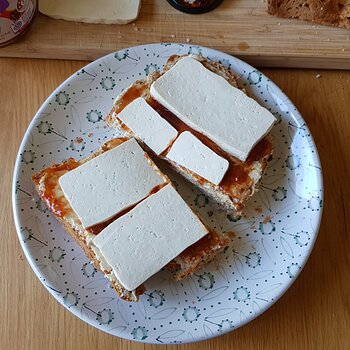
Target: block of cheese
110,183
148,125
194,155
92,11
143,241
209,104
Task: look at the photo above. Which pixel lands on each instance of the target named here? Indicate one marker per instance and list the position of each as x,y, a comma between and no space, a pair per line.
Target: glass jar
16,17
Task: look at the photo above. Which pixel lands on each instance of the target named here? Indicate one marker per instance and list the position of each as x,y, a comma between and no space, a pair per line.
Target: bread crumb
78,140
173,35
90,134
343,49
136,29
188,40
318,76
279,23
231,234
20,257
267,219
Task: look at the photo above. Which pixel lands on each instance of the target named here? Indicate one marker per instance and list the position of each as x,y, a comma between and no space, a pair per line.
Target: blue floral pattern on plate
272,243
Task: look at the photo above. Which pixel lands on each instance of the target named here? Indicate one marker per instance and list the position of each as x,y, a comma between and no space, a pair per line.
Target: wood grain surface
313,314
239,27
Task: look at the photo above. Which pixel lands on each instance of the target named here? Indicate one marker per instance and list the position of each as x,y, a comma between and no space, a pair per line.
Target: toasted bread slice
47,185
242,178
328,12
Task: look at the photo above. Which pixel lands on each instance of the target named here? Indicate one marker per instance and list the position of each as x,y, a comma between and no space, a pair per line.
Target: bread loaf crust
329,12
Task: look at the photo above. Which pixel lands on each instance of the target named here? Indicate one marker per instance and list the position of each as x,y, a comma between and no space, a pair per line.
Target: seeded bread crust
328,12
240,193
185,264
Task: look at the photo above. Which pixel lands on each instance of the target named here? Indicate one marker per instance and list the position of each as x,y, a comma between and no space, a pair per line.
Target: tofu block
148,125
211,105
143,241
111,182
194,155
92,11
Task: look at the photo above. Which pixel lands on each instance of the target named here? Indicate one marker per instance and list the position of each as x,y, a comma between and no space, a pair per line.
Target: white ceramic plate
273,241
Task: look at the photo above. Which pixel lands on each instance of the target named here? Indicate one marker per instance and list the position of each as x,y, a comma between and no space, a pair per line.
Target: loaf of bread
242,178
328,12
47,185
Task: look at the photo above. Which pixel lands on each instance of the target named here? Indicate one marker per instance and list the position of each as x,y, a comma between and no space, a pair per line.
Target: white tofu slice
92,11
148,125
111,182
194,155
209,104
143,241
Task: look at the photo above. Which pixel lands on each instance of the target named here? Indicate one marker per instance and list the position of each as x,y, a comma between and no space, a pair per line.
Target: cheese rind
111,182
148,125
194,155
209,104
143,241
92,11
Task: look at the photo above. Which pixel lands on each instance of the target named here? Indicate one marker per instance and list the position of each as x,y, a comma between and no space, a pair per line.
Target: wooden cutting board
239,27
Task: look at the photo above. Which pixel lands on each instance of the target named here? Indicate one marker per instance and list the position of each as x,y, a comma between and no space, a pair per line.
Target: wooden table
315,312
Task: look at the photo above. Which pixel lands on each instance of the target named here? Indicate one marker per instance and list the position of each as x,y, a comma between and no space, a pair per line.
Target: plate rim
16,214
